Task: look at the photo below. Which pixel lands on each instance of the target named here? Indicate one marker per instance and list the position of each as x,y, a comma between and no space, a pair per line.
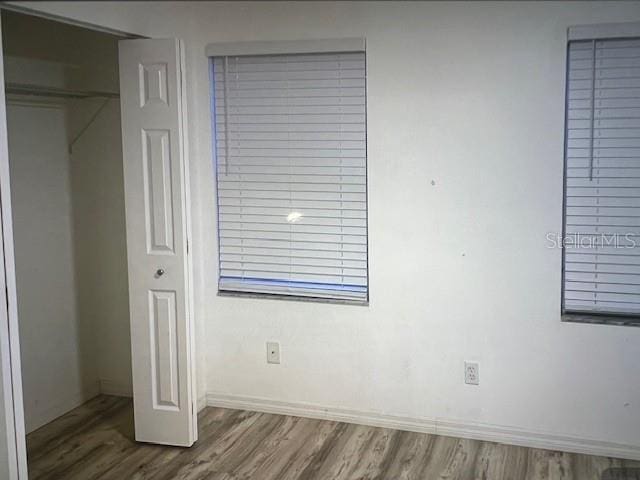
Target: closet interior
65,153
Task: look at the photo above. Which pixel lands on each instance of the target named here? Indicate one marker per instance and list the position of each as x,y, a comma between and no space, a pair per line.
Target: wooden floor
96,441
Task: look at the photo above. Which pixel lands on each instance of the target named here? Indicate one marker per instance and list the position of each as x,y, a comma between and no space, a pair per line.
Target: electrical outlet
273,352
471,373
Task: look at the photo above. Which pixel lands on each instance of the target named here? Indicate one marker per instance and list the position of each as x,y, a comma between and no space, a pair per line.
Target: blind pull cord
593,104
227,131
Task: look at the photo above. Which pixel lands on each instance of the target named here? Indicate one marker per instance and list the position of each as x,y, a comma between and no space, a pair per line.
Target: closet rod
27,89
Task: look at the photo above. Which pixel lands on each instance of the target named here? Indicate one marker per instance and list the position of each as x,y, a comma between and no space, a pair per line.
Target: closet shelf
30,89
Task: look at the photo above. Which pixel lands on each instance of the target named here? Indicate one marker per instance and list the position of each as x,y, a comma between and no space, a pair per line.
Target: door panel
157,185
164,363
156,200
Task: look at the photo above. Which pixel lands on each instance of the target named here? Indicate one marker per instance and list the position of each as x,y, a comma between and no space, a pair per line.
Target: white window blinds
602,181
290,143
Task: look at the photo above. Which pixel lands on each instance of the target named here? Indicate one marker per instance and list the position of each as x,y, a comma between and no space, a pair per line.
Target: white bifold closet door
157,211
602,223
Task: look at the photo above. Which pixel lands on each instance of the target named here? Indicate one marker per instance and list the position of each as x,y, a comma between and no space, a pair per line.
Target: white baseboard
202,402
36,418
476,431
118,389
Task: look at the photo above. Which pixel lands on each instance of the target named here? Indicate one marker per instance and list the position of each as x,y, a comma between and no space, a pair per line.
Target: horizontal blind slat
291,253
296,276
301,289
293,245
305,261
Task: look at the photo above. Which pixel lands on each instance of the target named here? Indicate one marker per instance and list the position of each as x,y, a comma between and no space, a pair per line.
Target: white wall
100,240
468,95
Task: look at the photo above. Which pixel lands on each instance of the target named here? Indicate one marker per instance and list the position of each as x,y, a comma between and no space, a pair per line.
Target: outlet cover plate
273,352
471,373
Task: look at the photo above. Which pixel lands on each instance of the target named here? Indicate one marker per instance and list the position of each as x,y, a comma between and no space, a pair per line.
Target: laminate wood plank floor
95,441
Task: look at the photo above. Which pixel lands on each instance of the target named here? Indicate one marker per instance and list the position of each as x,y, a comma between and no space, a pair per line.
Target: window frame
598,32
345,45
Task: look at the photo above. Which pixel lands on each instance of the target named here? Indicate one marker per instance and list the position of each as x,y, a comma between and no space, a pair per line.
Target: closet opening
67,192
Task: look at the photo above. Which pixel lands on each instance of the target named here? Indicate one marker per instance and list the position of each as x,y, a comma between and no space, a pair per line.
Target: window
290,149
601,261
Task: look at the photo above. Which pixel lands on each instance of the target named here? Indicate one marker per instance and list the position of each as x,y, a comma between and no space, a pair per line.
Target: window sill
612,320
294,298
